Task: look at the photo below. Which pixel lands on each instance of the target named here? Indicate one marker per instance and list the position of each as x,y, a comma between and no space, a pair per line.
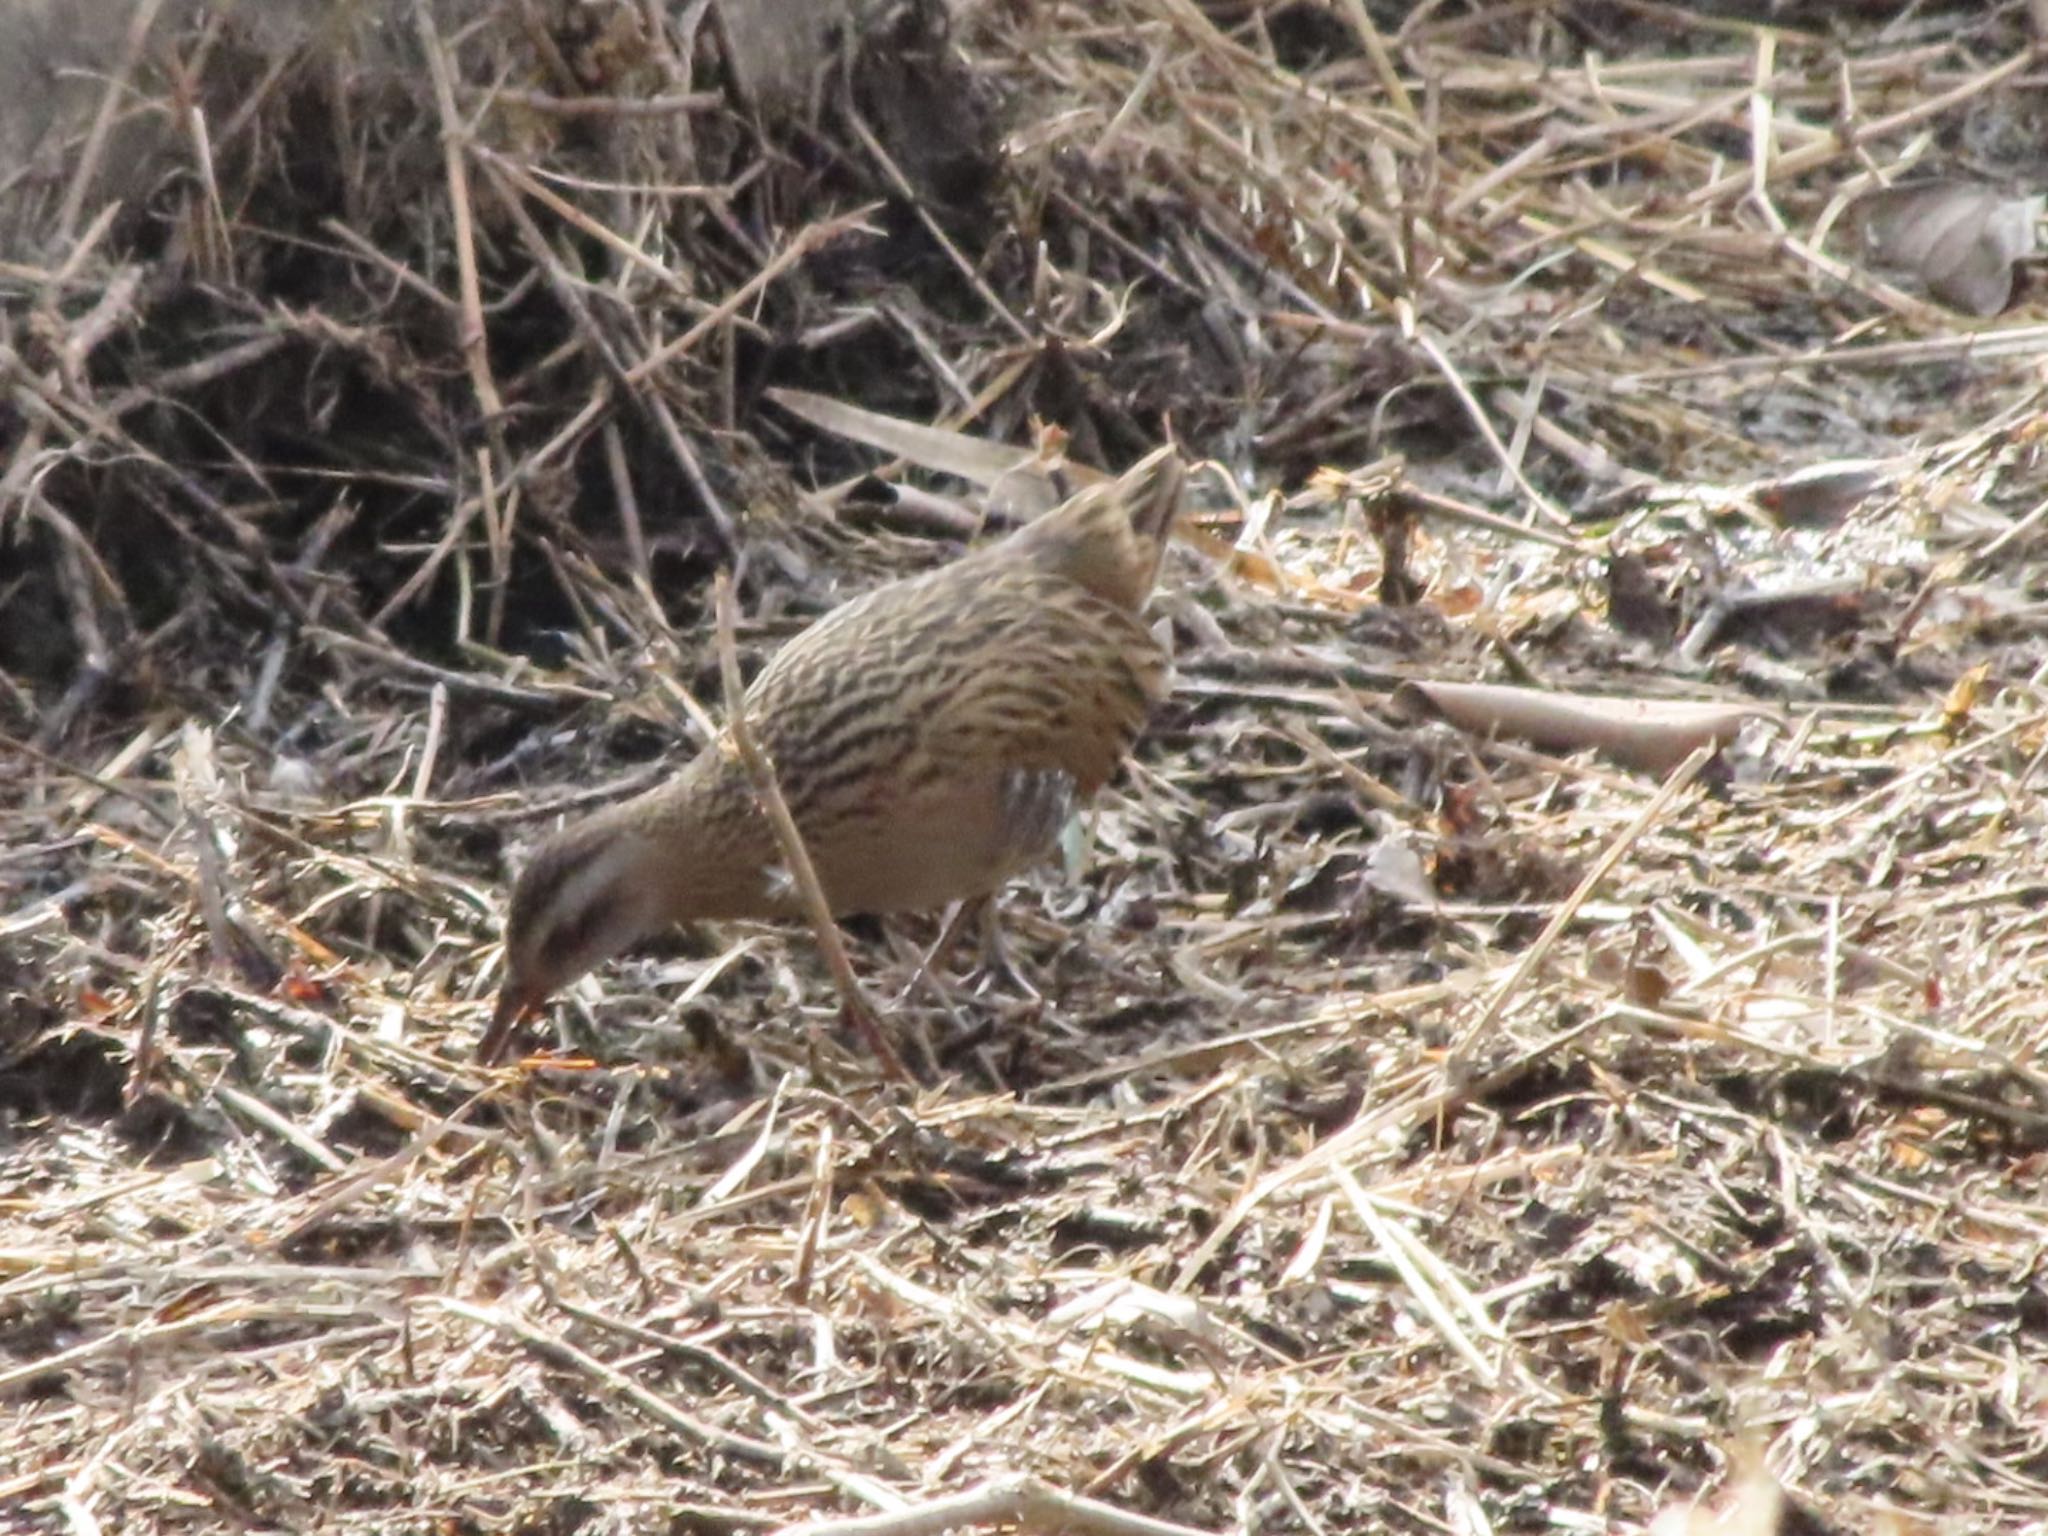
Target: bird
931,737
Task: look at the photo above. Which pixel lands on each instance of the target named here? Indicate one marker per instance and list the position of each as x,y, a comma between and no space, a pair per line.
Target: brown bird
931,737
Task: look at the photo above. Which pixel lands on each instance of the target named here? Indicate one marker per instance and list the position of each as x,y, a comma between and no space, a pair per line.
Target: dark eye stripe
576,929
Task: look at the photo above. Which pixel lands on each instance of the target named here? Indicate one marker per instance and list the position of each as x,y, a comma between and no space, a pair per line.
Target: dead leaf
1819,495
1019,481
1963,696
1653,735
1459,601
1961,238
297,987
1395,869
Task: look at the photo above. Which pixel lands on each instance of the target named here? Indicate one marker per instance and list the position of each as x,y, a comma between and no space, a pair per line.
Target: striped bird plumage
930,737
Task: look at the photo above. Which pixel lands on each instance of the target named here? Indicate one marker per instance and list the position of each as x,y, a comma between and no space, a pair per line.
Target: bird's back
929,734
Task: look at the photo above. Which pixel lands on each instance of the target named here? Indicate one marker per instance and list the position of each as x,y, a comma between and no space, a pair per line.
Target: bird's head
581,900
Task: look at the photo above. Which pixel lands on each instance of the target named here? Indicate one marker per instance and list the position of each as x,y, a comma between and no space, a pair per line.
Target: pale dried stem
810,892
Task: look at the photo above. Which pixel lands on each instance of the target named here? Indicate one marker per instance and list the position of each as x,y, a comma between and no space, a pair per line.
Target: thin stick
1021,1501
139,23
475,346
1819,151
1375,46
1453,510
36,754
854,1001
1477,412
813,237
1568,910
2014,341
908,193
560,1352
629,504
599,106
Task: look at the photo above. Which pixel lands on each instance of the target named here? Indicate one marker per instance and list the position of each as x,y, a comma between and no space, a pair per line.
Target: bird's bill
514,1004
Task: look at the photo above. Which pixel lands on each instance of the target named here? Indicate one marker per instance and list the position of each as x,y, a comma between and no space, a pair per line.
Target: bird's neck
694,847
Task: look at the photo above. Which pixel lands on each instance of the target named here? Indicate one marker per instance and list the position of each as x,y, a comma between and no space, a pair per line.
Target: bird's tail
1112,536
1152,489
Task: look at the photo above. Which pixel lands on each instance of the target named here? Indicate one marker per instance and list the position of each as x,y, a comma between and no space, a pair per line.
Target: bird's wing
1048,677
977,665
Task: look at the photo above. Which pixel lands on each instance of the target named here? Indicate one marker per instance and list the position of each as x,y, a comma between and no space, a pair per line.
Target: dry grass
1420,1133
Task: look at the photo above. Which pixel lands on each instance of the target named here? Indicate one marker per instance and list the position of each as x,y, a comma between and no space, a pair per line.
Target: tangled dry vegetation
1423,1129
